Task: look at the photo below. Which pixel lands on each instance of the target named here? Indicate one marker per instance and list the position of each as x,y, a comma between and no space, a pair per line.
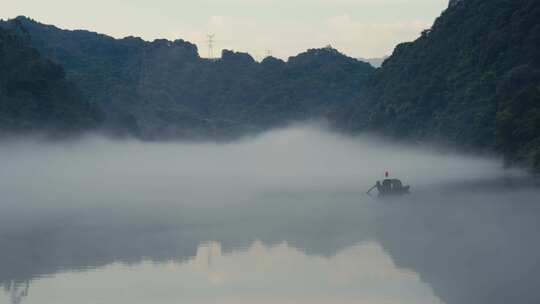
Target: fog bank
87,204
96,170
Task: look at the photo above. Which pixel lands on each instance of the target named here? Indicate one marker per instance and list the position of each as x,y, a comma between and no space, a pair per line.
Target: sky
283,28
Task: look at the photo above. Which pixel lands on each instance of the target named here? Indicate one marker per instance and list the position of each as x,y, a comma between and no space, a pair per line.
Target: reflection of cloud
17,291
206,253
365,261
258,274
88,203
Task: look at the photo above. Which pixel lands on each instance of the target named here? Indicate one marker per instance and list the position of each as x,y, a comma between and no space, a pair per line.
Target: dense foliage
34,94
163,89
472,80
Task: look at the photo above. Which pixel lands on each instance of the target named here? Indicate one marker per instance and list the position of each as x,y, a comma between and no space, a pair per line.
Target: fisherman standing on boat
389,187
386,184
381,187
378,186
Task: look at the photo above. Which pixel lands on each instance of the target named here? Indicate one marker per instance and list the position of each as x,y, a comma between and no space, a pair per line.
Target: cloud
353,37
371,39
217,21
311,3
360,28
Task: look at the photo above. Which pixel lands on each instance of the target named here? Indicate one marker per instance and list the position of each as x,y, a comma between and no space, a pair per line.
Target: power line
211,42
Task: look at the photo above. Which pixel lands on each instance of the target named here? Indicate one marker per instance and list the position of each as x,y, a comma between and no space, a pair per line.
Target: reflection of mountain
17,291
471,248
98,239
478,249
258,274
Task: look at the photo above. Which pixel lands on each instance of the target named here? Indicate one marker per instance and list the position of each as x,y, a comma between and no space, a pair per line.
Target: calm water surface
305,248
299,233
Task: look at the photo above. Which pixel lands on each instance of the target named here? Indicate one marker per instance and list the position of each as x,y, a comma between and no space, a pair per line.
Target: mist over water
466,234
99,170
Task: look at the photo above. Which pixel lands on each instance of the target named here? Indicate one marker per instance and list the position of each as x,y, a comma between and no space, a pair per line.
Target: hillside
472,80
34,94
163,89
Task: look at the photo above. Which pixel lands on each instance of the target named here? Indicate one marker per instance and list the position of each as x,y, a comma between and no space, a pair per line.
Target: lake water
281,218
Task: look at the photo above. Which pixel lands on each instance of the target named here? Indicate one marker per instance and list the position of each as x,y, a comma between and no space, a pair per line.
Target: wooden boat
390,187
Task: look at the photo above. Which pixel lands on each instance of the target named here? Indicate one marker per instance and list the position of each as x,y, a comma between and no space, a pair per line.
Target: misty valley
280,217
270,152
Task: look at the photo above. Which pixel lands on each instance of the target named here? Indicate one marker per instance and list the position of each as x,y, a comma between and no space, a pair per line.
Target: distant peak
453,2
24,19
325,52
271,60
229,55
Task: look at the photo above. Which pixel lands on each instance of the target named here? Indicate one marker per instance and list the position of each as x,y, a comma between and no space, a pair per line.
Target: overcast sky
359,28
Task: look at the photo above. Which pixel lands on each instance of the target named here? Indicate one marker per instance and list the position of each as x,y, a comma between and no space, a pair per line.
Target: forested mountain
163,89
34,94
472,80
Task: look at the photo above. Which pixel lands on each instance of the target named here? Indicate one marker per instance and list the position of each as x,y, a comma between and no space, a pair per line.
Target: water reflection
97,214
258,274
467,247
16,291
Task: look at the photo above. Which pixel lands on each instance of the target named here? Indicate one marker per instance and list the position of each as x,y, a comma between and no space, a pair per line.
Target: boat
390,187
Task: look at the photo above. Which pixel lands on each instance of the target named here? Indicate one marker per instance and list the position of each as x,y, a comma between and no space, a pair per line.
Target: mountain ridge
472,80
164,89
34,93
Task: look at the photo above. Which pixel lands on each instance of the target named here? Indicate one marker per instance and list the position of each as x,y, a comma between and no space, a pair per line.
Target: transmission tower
269,53
211,45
